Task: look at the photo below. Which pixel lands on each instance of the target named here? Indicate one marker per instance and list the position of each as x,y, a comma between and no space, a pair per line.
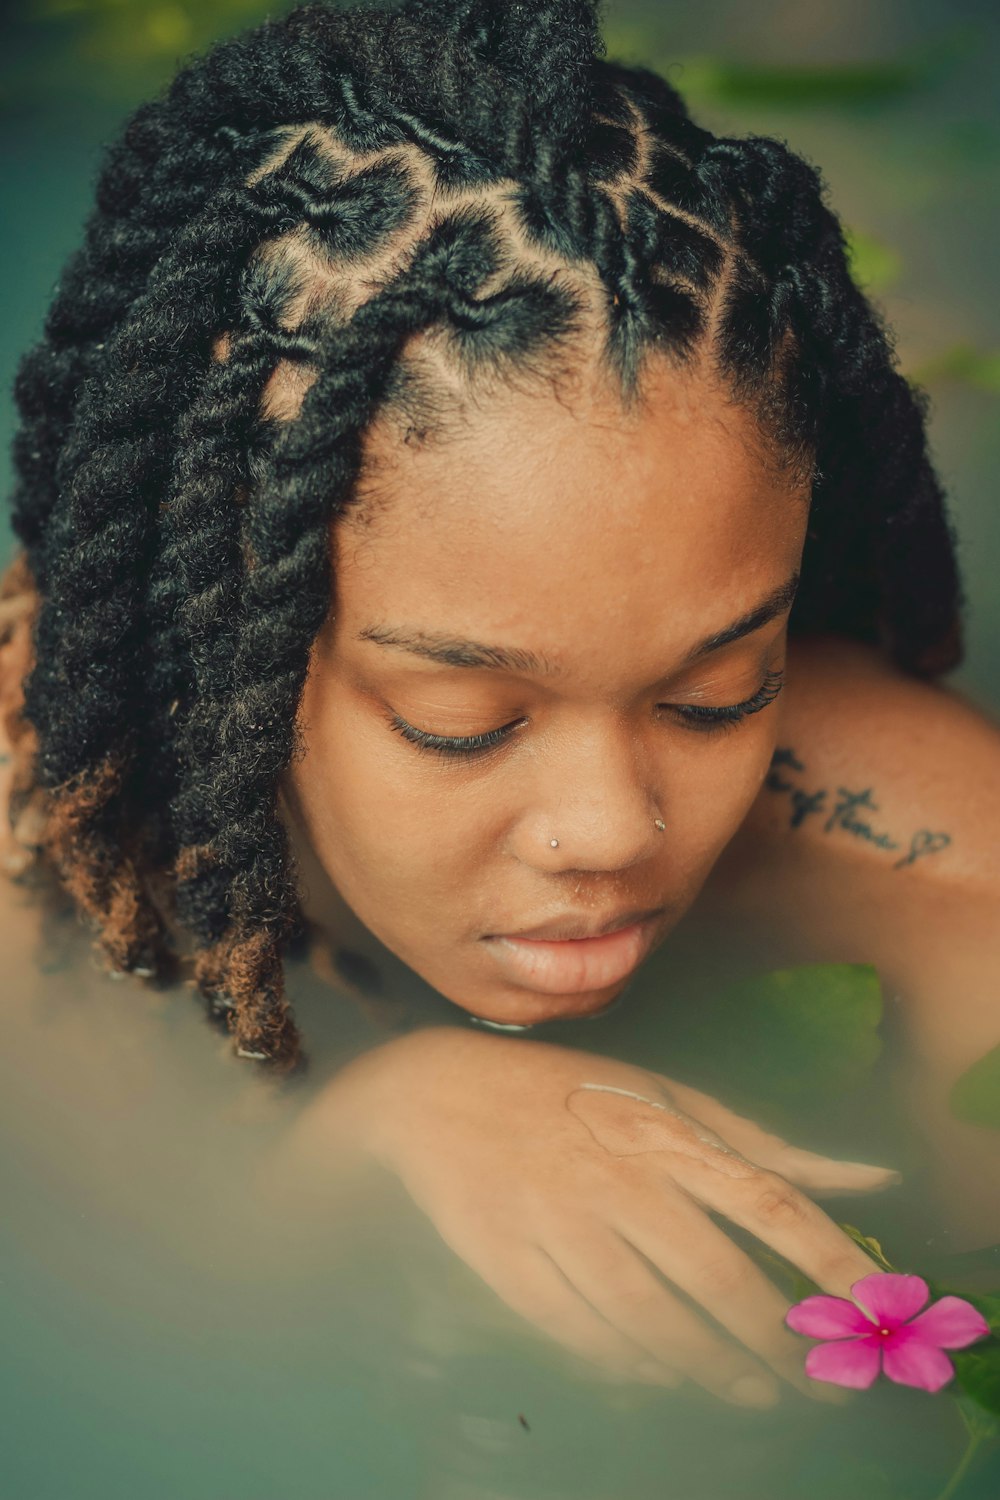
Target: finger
825,1177
621,1287
780,1216
807,1169
533,1286
696,1256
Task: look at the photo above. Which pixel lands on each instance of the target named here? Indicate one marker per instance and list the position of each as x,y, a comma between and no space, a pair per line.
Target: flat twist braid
878,508
349,214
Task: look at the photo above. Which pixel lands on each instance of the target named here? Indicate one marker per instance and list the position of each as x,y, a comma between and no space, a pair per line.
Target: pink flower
884,1332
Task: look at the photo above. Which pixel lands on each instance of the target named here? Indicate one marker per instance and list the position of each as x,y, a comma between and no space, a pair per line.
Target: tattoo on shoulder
845,810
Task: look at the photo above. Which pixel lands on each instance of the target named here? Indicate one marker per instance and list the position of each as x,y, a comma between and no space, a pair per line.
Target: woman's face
575,591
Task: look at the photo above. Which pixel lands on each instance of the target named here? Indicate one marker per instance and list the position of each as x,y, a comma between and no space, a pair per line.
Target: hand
586,1209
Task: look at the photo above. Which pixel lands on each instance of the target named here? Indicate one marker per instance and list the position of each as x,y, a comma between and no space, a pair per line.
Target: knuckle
531,1303
778,1203
633,1298
603,1259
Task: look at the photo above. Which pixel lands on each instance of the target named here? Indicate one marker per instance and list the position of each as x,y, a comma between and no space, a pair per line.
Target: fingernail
754,1390
887,1174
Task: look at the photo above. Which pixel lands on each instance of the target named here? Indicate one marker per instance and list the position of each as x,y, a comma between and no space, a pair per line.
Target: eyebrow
453,652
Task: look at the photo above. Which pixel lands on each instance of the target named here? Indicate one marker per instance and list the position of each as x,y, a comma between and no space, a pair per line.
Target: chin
532,1010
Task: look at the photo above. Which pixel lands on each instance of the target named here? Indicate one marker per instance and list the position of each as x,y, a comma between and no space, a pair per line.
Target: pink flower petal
951,1323
827,1318
909,1361
853,1362
891,1298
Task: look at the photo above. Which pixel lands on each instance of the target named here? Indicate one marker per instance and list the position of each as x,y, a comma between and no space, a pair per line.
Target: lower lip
574,966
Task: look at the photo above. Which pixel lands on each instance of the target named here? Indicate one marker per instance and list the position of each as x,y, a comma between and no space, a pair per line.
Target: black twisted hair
313,220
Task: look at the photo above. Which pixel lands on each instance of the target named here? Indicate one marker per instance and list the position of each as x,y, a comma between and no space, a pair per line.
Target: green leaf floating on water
975,1098
808,1033
978,1421
977,1371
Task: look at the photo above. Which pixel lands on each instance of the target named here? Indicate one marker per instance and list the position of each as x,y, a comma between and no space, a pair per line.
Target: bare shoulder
881,772
875,839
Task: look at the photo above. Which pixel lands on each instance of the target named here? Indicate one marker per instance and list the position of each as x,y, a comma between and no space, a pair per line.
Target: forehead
558,519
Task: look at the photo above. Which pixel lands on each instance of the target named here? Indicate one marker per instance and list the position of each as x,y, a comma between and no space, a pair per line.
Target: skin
610,546
613,545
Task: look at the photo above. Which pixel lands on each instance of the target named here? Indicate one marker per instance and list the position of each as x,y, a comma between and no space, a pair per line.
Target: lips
573,929
575,965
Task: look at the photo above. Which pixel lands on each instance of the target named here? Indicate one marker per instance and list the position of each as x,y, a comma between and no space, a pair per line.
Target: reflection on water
181,1322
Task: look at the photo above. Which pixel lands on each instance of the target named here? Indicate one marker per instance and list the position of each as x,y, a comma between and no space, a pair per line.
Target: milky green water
173,1329
170,1330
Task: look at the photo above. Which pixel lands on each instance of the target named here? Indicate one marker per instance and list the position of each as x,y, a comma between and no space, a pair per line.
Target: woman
432,450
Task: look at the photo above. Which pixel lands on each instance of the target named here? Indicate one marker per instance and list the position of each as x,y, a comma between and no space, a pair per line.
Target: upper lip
561,929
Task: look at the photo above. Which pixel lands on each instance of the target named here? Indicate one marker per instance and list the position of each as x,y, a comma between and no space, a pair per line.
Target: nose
595,794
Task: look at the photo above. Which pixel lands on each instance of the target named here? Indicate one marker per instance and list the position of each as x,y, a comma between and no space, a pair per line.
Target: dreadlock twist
335,216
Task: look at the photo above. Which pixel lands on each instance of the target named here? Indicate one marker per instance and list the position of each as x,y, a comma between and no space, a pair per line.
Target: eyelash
695,716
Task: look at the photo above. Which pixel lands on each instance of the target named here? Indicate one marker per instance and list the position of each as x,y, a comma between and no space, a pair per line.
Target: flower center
885,1332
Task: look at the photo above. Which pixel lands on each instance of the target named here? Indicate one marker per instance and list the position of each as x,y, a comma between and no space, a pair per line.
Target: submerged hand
581,1188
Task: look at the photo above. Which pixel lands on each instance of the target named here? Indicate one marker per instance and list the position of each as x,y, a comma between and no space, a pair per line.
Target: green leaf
977,1371
975,1098
874,266
870,1246
989,1306
803,1034
978,1421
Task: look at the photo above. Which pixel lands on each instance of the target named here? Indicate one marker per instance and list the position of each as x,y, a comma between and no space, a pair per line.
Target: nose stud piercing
658,824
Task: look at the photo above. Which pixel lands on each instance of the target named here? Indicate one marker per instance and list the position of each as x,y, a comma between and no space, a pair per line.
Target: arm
581,1190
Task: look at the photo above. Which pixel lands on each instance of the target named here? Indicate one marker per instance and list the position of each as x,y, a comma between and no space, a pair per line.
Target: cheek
377,826
710,788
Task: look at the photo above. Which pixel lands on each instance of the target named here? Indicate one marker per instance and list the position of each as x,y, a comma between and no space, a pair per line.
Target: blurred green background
895,100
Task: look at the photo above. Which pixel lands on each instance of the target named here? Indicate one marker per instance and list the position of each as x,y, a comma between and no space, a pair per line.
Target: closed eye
695,716
465,744
699,716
